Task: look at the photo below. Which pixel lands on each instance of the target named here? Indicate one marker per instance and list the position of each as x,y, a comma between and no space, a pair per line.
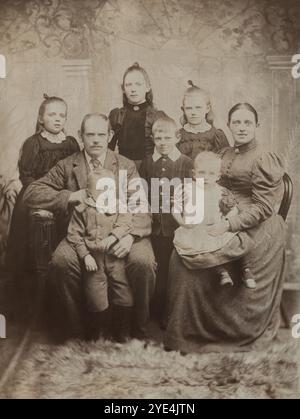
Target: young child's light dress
196,240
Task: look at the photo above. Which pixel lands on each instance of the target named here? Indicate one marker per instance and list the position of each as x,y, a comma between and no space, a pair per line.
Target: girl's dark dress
192,144
132,126
200,313
38,156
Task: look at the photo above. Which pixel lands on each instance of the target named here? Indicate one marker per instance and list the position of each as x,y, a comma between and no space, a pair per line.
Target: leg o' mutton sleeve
74,146
267,176
220,141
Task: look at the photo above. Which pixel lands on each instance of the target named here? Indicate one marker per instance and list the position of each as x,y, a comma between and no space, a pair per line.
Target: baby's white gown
196,240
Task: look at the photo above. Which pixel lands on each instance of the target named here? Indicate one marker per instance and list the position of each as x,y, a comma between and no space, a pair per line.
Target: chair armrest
42,215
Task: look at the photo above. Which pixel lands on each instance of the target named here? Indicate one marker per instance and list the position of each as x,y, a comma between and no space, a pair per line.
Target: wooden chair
44,240
287,196
283,211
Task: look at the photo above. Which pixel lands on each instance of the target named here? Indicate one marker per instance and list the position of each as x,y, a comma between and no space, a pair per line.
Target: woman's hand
218,229
123,247
90,264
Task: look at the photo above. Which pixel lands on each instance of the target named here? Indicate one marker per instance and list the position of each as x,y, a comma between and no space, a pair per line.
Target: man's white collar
100,158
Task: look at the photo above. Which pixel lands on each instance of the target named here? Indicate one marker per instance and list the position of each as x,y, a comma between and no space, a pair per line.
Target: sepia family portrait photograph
149,201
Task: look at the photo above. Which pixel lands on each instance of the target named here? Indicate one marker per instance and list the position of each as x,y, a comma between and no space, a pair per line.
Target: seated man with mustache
63,188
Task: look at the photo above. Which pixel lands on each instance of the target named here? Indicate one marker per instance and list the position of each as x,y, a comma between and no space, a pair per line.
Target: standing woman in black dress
132,127
132,124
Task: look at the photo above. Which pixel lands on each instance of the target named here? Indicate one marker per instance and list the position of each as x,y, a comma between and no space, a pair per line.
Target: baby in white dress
193,236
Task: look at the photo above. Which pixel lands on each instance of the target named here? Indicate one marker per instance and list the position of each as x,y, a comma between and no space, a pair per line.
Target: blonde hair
207,156
162,123
194,90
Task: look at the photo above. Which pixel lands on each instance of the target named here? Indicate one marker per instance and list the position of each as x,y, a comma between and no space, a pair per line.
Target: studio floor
135,370
143,370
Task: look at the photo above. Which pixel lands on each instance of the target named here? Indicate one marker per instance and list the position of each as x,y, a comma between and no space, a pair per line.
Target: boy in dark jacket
165,165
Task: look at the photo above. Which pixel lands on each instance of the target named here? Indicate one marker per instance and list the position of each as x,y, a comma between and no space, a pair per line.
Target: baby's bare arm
180,220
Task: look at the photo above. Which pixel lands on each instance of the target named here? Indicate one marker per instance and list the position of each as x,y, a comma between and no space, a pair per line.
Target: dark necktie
95,163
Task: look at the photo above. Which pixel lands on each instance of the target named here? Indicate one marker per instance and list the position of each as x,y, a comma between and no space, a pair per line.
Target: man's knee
141,268
65,260
142,259
60,261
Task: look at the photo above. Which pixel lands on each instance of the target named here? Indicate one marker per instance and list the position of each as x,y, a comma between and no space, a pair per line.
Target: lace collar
54,138
189,128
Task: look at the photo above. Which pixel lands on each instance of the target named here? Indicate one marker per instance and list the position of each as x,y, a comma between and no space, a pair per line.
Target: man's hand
77,198
218,229
90,264
123,247
107,243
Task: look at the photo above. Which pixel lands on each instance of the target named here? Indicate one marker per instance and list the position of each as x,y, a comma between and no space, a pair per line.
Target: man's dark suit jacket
52,192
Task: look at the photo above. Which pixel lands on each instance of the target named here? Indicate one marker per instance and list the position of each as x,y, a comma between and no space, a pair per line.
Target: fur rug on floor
107,370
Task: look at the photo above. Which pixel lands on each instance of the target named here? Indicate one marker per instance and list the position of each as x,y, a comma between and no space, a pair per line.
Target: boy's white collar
174,155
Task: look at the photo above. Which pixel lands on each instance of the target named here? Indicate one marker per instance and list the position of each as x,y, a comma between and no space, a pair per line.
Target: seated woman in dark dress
203,317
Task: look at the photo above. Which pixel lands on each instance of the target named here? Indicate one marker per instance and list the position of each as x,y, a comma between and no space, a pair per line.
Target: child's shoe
225,279
248,279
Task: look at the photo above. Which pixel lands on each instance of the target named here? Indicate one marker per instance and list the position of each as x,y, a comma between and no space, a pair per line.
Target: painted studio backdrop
240,50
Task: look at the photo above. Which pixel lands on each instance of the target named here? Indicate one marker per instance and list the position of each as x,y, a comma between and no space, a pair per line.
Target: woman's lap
202,312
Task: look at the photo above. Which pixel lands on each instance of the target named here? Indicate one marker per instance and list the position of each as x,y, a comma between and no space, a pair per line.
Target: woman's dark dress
204,316
38,156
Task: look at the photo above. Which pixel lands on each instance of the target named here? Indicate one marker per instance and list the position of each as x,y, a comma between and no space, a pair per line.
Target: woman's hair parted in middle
137,67
194,90
244,105
47,101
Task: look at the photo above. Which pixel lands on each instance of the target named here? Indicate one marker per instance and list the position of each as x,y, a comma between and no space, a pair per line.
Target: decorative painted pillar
77,87
284,100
